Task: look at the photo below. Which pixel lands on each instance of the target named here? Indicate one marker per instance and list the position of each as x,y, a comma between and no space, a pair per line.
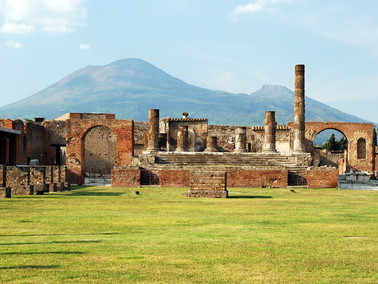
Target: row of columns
241,132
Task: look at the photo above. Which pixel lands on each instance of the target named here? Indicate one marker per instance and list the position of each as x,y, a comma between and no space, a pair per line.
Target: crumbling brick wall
257,178
174,178
208,184
126,177
322,178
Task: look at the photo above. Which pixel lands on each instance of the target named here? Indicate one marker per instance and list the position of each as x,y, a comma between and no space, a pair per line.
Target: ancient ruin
40,156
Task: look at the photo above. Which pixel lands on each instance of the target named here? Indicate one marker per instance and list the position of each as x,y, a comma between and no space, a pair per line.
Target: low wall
29,179
257,178
174,178
322,178
125,177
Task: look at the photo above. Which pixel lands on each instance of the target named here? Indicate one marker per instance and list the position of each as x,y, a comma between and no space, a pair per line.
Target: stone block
5,192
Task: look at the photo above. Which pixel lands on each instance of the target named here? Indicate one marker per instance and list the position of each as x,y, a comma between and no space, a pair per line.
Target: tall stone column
182,139
241,139
270,132
153,130
211,144
299,110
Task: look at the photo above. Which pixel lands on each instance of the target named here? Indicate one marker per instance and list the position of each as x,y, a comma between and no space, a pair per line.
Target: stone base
53,187
5,192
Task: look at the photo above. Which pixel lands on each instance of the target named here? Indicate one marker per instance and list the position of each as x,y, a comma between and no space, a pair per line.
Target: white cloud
84,46
16,28
25,16
255,6
13,44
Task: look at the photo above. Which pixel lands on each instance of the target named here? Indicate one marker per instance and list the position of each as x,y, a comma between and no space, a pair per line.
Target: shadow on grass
56,242
92,193
251,196
30,267
41,252
40,235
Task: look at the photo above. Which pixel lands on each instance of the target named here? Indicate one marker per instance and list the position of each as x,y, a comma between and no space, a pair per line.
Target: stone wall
208,184
100,150
257,178
126,177
322,178
25,179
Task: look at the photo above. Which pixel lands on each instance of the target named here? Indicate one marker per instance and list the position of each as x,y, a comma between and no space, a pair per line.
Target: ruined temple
50,155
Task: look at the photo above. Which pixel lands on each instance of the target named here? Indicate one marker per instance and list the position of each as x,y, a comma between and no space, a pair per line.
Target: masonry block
5,192
208,184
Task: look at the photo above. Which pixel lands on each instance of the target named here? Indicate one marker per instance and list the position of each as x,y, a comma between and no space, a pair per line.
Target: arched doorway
331,149
100,153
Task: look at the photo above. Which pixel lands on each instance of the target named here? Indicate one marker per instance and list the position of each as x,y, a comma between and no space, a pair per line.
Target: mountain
130,87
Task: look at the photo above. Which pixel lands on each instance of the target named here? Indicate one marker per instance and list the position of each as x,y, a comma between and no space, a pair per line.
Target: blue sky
229,45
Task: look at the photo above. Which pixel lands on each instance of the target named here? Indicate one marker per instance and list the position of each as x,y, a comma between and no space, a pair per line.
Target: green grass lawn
111,235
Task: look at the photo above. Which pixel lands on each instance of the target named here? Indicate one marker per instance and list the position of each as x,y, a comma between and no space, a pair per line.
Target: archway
100,150
330,149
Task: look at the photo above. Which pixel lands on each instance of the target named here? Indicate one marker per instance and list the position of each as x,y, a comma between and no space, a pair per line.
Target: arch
352,132
78,128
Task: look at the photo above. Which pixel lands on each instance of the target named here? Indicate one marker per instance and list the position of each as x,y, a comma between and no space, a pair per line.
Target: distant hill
130,87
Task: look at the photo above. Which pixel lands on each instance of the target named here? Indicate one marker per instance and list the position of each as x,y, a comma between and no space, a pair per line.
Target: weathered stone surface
153,130
270,132
182,139
211,144
240,139
299,109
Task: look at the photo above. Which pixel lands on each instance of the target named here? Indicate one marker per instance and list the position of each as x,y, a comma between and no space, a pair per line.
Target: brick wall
174,178
257,178
126,177
208,184
322,178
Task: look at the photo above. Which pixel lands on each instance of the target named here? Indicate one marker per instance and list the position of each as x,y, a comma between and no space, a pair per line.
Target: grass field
111,235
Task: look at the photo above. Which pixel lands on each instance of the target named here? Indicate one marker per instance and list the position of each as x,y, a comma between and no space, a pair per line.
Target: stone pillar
270,132
241,139
153,130
182,139
211,144
299,110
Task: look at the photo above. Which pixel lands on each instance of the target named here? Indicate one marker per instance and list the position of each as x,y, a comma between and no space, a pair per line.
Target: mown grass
111,235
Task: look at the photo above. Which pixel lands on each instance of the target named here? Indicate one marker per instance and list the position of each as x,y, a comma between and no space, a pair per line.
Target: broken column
299,109
270,132
211,144
241,139
182,139
153,130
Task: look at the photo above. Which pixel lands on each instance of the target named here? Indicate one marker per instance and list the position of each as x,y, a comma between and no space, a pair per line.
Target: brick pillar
182,139
270,132
241,139
299,109
153,130
211,144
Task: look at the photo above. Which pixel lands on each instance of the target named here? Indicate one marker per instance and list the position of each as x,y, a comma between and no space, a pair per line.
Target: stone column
182,139
153,130
211,144
270,132
299,110
241,139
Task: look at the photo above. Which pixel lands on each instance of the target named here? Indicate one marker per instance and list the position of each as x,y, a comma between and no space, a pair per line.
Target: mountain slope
129,87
